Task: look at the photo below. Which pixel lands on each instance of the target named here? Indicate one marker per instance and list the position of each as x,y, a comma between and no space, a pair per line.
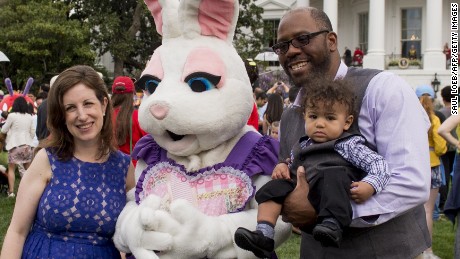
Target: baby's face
274,132
325,123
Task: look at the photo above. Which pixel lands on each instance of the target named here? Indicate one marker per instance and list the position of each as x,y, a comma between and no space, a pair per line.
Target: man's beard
318,69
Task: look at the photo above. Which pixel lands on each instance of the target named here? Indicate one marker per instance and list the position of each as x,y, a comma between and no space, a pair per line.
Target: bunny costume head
200,164
200,95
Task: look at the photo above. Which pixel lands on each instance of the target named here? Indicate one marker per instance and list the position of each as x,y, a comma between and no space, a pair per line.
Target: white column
330,8
375,57
303,3
433,57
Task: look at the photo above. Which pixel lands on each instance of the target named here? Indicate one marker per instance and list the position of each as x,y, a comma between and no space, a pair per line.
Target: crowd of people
350,174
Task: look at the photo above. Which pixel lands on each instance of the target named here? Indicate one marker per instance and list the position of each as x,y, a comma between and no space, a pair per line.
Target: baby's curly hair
328,92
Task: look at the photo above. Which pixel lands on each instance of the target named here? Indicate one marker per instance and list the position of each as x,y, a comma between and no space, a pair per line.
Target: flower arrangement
393,63
415,62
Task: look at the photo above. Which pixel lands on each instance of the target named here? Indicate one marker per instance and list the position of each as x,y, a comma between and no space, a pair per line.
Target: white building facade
385,30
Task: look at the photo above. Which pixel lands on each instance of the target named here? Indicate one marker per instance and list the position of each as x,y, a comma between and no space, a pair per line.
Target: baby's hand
361,191
281,171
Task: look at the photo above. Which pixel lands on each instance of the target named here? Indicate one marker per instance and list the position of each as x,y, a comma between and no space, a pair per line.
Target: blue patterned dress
79,208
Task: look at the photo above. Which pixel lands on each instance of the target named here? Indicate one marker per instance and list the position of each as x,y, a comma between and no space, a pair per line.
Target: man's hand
281,171
297,209
361,191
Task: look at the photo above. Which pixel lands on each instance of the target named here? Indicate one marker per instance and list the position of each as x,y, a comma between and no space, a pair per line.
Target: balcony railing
394,61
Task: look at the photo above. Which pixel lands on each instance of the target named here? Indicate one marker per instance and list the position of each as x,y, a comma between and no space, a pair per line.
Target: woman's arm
32,128
265,125
130,183
272,89
30,191
276,86
285,87
446,127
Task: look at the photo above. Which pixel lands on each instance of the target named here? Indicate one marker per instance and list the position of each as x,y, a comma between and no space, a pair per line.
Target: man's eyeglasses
299,41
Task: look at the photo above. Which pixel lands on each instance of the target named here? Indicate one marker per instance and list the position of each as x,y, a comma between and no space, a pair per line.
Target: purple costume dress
215,190
78,209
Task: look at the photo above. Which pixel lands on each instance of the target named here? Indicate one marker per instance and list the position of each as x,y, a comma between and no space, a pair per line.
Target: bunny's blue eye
201,81
199,84
148,83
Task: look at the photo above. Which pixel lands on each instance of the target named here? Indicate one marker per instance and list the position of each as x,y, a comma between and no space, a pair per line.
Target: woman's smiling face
84,113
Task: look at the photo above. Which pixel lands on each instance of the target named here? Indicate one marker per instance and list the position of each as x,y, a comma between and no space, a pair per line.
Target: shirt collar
342,72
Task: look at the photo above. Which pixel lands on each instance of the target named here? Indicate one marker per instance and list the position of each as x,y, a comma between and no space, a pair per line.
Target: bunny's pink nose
159,111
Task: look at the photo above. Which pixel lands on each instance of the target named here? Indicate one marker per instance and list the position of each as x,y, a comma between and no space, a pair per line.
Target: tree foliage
249,35
41,40
42,37
123,28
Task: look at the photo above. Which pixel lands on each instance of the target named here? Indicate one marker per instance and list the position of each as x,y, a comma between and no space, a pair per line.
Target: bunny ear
29,83
164,13
9,86
209,17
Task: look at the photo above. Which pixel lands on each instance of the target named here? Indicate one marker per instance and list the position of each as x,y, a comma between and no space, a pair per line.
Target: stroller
3,180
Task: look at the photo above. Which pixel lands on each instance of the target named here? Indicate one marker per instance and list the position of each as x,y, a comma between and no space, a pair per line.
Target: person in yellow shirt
438,146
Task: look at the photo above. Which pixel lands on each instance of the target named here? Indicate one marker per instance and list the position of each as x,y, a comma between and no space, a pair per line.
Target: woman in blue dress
73,192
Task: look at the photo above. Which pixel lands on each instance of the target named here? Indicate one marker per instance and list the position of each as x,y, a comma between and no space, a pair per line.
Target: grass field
443,242
443,237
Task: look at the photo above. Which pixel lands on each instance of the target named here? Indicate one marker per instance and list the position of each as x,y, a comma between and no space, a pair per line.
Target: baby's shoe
255,242
328,232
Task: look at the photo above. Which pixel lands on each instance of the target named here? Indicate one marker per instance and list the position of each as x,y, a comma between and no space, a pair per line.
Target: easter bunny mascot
200,166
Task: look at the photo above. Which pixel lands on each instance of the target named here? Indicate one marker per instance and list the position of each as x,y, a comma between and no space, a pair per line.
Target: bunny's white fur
209,123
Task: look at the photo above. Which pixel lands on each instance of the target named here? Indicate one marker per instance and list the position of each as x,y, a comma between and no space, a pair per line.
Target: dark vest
329,176
321,155
292,126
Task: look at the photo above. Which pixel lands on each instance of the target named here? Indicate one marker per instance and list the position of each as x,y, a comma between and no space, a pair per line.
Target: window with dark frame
270,32
411,33
363,30
270,36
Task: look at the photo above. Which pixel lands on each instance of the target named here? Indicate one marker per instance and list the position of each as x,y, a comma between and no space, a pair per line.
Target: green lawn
443,237
6,210
443,242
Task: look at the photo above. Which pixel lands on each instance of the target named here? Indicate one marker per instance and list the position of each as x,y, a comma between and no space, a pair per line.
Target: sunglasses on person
299,41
